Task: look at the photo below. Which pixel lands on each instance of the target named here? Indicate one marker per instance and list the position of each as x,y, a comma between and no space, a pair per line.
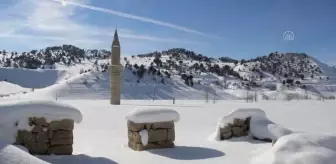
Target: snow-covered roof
149,115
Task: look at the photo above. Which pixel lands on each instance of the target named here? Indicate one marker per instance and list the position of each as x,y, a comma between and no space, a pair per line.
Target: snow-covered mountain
48,57
297,65
175,73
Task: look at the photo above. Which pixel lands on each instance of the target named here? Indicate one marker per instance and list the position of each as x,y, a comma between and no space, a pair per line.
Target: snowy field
101,137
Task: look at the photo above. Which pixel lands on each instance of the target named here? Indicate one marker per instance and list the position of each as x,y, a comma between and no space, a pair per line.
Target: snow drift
300,148
32,78
14,115
7,88
147,115
10,154
260,126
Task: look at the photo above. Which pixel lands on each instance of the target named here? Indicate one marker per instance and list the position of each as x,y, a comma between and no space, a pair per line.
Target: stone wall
46,138
160,135
238,128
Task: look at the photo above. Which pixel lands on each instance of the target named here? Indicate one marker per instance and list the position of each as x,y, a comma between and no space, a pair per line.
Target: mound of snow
241,113
300,148
147,115
31,78
262,128
10,154
14,115
9,88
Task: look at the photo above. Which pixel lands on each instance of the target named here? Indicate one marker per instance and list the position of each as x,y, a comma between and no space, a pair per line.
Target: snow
65,82
22,148
148,115
108,139
7,88
144,137
262,128
41,78
240,113
14,115
101,137
297,148
32,78
10,154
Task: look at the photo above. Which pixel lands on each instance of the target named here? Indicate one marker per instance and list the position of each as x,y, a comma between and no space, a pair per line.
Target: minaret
115,69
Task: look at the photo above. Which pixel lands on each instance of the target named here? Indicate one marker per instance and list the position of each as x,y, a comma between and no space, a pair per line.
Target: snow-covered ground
102,135
103,132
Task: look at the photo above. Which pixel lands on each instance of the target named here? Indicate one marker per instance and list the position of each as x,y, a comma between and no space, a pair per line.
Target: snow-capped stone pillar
42,127
151,128
115,71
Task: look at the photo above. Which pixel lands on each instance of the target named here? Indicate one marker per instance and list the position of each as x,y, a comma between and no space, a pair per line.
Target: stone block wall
238,128
55,137
160,135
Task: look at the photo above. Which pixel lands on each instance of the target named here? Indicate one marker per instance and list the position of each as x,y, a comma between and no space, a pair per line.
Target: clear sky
239,29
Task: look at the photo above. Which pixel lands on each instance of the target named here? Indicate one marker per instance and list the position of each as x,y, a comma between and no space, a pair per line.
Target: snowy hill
173,74
48,57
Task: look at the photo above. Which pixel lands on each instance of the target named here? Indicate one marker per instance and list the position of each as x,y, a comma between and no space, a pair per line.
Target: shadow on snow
75,159
188,153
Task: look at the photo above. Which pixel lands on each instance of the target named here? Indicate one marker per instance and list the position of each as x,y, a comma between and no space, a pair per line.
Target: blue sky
240,29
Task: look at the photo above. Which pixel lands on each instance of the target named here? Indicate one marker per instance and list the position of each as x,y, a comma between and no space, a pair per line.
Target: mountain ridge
296,65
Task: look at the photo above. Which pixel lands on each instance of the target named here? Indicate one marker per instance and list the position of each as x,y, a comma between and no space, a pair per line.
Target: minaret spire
115,39
115,70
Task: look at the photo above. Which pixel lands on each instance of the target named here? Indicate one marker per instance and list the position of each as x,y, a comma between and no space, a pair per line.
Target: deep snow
298,148
263,128
103,131
10,154
7,88
260,126
101,137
